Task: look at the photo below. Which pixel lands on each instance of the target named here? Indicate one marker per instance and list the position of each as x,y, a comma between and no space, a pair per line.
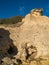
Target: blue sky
10,8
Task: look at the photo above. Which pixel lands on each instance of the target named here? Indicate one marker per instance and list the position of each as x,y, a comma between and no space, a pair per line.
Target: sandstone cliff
29,41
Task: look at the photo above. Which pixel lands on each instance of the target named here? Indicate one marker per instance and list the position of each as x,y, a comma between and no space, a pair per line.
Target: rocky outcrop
37,12
30,40
35,31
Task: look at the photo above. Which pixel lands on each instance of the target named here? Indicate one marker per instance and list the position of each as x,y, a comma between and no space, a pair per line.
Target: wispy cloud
21,10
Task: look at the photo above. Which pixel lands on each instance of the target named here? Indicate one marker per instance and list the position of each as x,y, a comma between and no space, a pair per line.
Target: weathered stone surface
30,40
37,12
36,32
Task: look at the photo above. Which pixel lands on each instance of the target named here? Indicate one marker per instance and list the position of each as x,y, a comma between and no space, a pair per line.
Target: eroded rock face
35,30
30,39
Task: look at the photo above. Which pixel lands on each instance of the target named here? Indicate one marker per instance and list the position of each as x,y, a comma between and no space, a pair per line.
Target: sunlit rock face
35,31
30,39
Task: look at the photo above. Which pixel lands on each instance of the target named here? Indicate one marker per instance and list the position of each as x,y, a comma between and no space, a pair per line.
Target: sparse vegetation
12,20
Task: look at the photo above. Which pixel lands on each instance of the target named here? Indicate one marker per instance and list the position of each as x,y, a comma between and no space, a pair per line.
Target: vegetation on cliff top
12,20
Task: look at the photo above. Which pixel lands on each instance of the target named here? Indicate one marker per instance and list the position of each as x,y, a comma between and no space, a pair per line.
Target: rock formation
30,39
37,12
35,32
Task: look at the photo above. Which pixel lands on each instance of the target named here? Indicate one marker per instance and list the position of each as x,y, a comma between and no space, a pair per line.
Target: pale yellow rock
35,32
